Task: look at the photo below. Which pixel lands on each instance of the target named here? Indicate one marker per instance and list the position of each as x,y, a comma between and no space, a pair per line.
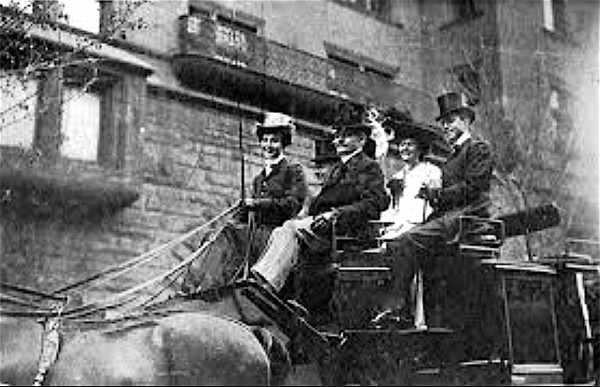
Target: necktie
337,172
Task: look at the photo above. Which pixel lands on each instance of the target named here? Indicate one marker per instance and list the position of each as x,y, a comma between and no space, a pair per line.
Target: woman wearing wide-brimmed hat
408,208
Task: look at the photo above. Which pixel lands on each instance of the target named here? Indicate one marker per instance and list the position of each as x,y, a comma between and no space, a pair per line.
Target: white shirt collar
270,162
462,139
345,158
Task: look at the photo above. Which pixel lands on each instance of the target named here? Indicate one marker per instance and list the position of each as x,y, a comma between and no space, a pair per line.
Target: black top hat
351,118
454,103
353,128
277,123
403,126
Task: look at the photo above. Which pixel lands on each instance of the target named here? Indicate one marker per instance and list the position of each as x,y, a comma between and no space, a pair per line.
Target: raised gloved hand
323,222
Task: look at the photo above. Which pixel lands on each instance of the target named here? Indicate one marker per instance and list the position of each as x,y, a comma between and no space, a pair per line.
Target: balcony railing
239,47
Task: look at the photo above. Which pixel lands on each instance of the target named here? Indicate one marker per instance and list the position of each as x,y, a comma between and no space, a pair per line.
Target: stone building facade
177,100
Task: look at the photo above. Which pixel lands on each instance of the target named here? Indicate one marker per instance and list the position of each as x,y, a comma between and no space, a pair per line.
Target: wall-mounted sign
230,38
218,40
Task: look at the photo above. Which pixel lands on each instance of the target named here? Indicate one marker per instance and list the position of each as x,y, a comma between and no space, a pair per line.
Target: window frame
382,12
554,16
102,82
68,101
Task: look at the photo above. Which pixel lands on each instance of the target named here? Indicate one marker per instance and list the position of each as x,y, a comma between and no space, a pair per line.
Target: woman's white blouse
407,208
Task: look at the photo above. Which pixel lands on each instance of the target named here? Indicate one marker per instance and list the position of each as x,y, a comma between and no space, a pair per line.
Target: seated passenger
278,193
280,189
352,194
408,208
466,177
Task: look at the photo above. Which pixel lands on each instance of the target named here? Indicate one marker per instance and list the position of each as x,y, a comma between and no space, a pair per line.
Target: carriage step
536,374
407,331
486,372
286,316
364,274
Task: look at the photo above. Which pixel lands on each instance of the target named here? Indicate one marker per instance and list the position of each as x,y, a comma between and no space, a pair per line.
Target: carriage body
489,320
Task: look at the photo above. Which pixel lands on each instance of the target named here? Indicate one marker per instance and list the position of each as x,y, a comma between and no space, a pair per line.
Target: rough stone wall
189,172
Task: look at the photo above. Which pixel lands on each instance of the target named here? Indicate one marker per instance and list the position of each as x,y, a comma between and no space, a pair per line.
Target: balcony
233,62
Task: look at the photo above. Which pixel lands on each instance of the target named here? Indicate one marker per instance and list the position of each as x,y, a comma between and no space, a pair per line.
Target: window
378,8
554,15
237,24
82,14
18,100
80,124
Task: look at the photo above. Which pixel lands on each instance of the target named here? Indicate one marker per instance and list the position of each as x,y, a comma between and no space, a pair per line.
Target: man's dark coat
356,190
466,177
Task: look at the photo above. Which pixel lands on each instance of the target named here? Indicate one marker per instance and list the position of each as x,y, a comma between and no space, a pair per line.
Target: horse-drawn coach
483,319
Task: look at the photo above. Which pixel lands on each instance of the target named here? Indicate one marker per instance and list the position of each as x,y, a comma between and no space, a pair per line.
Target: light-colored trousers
282,250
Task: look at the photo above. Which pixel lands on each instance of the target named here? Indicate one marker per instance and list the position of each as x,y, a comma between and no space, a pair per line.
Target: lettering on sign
193,25
230,38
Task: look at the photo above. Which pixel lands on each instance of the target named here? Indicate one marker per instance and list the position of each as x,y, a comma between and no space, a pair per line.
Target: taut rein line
36,308
124,267
39,310
121,298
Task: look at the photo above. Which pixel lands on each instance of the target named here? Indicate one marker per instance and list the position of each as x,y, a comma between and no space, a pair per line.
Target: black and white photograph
299,192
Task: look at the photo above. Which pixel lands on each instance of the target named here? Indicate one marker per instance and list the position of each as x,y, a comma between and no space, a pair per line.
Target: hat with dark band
351,119
403,126
277,123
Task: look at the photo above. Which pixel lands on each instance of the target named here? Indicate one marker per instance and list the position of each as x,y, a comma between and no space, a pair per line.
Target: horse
189,348
180,341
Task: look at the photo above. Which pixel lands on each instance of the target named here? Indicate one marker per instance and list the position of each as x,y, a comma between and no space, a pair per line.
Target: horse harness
50,349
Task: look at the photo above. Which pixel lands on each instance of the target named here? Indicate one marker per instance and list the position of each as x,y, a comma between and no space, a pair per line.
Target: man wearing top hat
352,194
466,177
280,189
